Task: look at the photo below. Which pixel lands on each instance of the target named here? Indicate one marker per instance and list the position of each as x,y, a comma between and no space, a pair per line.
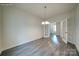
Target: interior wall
0,31
19,27
71,27
76,32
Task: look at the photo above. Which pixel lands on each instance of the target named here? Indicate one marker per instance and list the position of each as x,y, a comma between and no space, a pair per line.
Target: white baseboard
77,47
19,44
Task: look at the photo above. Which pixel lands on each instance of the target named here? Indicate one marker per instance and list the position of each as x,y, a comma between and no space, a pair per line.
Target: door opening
53,28
63,31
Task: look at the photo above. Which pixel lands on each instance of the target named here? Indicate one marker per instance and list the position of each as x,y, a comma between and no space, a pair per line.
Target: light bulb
43,22
46,22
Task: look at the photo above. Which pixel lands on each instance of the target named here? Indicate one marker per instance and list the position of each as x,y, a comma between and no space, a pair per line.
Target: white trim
20,44
77,47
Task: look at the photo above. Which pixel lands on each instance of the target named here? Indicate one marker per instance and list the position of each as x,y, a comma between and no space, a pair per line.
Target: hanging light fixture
45,22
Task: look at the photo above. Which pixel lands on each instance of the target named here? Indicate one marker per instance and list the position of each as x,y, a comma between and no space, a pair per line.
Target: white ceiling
52,9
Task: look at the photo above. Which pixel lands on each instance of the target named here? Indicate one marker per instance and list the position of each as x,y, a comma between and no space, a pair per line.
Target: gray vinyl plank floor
53,46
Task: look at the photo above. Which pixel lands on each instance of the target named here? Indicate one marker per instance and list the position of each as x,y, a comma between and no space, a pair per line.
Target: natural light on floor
54,39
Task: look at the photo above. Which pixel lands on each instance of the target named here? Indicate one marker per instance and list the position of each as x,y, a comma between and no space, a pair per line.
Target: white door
64,30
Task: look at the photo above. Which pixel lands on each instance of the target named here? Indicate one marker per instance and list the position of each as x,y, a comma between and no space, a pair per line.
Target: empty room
39,29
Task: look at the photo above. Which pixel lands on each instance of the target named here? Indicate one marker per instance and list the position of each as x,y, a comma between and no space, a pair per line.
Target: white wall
0,31
71,27
77,27
19,27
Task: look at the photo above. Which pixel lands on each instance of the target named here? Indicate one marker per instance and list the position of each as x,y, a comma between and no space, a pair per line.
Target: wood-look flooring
53,46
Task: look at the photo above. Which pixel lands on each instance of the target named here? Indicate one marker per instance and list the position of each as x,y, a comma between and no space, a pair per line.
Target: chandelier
45,22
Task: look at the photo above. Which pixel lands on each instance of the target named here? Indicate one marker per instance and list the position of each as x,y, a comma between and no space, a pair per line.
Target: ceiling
52,9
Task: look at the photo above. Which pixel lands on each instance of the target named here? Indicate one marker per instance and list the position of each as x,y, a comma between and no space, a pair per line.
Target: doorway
63,30
53,28
59,29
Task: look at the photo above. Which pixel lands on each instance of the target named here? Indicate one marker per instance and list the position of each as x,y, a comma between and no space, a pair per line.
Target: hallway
53,46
